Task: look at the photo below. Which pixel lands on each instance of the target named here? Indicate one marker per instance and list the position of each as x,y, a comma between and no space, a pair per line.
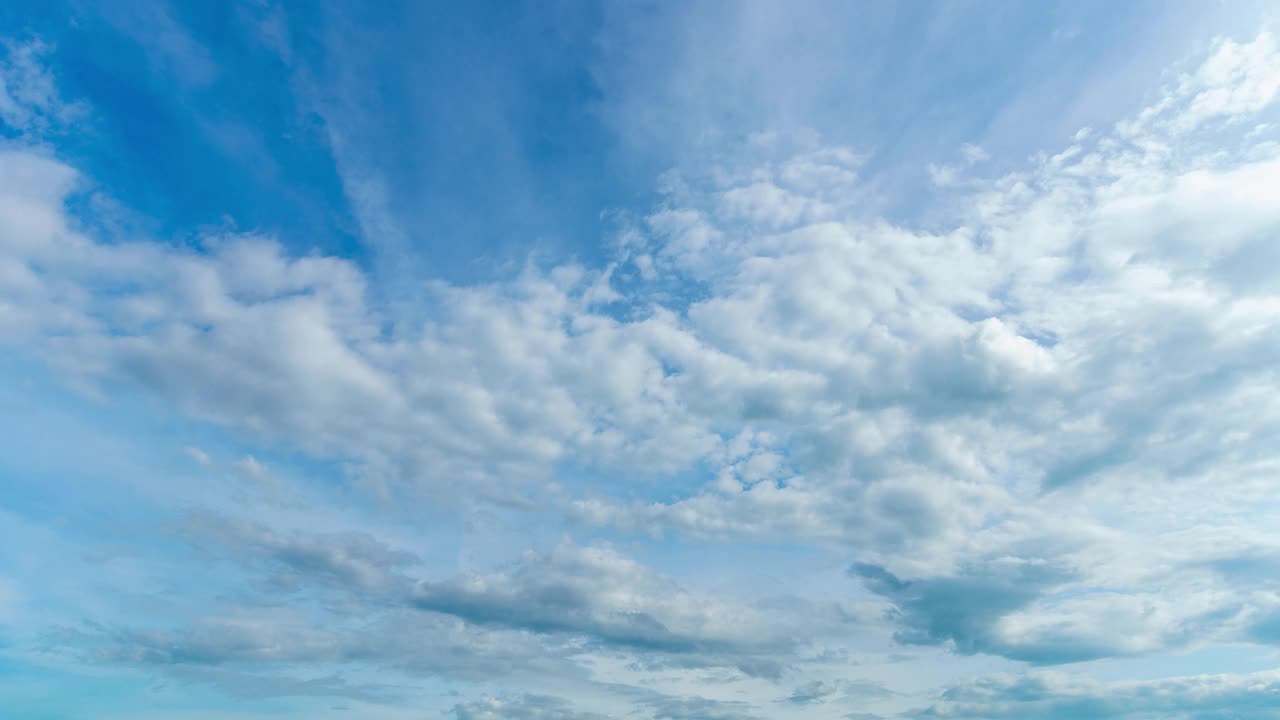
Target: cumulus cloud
1035,313
1081,330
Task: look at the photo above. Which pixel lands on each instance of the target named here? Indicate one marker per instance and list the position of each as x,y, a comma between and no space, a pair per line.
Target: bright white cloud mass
770,446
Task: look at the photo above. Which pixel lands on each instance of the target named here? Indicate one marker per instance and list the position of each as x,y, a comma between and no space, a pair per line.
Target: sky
658,361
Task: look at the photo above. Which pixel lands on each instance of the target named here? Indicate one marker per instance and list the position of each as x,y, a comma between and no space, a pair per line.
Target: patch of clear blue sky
40,693
478,116
192,122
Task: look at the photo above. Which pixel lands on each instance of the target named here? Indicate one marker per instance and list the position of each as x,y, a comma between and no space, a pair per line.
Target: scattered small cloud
198,455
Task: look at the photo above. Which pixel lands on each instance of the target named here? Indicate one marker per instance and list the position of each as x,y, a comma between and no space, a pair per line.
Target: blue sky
639,360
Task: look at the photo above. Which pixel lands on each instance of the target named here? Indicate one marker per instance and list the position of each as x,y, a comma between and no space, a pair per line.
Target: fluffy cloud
1091,335
1236,80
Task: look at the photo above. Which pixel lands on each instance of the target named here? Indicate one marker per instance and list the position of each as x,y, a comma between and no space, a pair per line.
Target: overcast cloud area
669,362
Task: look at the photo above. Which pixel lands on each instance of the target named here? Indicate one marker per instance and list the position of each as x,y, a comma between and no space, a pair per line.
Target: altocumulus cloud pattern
662,361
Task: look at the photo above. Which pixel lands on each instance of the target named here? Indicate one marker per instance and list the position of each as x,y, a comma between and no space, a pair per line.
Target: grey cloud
352,560
575,590
759,666
530,618
525,707
549,609
920,509
684,708
254,642
1206,697
821,691
813,692
963,611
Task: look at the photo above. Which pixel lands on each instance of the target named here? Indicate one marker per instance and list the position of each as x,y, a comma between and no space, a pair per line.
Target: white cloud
1236,80
250,468
198,455
29,98
973,154
947,175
